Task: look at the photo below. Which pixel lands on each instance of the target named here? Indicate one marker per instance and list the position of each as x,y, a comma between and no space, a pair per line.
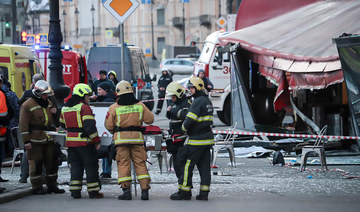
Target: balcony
205,20
178,22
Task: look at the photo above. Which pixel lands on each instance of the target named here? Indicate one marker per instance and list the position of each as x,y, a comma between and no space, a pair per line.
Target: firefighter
176,112
35,119
163,82
124,119
200,140
82,141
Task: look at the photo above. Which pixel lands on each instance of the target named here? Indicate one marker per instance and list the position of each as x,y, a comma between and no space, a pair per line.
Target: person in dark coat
163,82
102,78
207,83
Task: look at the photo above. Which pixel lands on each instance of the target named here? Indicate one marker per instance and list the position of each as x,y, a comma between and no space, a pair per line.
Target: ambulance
18,64
74,67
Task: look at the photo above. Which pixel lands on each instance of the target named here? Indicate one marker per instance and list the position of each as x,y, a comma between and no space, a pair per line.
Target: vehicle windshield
206,52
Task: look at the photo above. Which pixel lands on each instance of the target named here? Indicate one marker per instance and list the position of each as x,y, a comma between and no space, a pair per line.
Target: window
160,45
160,16
4,72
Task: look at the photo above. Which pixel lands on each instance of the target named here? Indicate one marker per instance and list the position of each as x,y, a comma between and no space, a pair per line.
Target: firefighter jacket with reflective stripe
124,116
34,121
177,115
198,122
80,123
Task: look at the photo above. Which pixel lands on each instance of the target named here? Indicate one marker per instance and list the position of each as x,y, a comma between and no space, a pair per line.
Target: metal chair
158,150
228,144
18,144
318,148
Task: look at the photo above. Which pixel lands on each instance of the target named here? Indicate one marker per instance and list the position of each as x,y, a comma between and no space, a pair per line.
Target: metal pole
122,51
77,22
219,8
55,38
64,15
14,21
152,32
183,22
93,24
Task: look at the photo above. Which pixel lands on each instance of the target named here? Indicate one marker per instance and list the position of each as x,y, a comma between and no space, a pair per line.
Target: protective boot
203,195
38,191
55,190
76,194
126,195
181,195
95,195
145,194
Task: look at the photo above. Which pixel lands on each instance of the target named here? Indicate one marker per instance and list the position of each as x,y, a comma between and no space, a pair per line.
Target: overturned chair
318,148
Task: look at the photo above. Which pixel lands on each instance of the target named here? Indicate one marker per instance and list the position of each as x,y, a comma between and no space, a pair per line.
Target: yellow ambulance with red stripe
18,64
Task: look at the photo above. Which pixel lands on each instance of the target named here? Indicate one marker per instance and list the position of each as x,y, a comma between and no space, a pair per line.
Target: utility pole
93,23
183,11
152,32
14,22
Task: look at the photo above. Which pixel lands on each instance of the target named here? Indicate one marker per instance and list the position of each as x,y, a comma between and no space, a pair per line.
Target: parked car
178,66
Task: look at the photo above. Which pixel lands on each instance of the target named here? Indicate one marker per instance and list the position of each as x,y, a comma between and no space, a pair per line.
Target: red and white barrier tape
287,135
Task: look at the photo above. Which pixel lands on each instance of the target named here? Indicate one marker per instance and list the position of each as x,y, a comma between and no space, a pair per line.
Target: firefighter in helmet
124,120
176,112
35,119
200,140
82,141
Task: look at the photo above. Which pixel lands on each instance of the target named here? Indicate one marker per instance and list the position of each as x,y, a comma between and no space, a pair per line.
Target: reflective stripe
92,184
35,177
24,133
185,188
52,175
88,117
79,138
2,138
124,179
39,141
204,188
183,128
34,108
75,188
205,118
4,113
125,141
186,174
200,142
94,189
93,135
46,117
192,116
75,182
143,176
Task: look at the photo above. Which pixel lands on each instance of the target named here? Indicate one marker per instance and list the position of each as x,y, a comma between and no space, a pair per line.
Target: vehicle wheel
220,115
225,115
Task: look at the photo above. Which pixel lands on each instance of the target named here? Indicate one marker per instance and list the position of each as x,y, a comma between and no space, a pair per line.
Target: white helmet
41,87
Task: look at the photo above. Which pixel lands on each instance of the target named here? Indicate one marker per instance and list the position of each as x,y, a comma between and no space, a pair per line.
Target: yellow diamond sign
121,9
221,22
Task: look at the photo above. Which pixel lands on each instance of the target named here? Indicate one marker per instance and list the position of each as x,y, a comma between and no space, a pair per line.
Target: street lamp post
2,30
55,38
183,10
93,26
64,15
77,22
152,32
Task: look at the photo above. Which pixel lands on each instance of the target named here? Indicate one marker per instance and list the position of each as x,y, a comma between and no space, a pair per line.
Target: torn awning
300,43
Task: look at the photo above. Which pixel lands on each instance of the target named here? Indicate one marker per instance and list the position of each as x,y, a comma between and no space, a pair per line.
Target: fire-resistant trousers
191,156
125,154
82,158
42,154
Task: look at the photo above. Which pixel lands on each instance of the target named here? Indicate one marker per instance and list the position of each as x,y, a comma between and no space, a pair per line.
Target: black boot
145,194
181,195
203,195
38,191
126,195
76,194
55,190
95,195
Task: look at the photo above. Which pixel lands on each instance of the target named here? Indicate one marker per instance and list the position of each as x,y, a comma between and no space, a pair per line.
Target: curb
14,195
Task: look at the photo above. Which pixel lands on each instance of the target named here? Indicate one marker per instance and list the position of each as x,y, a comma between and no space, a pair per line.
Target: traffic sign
140,83
109,33
221,22
43,38
121,9
30,39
